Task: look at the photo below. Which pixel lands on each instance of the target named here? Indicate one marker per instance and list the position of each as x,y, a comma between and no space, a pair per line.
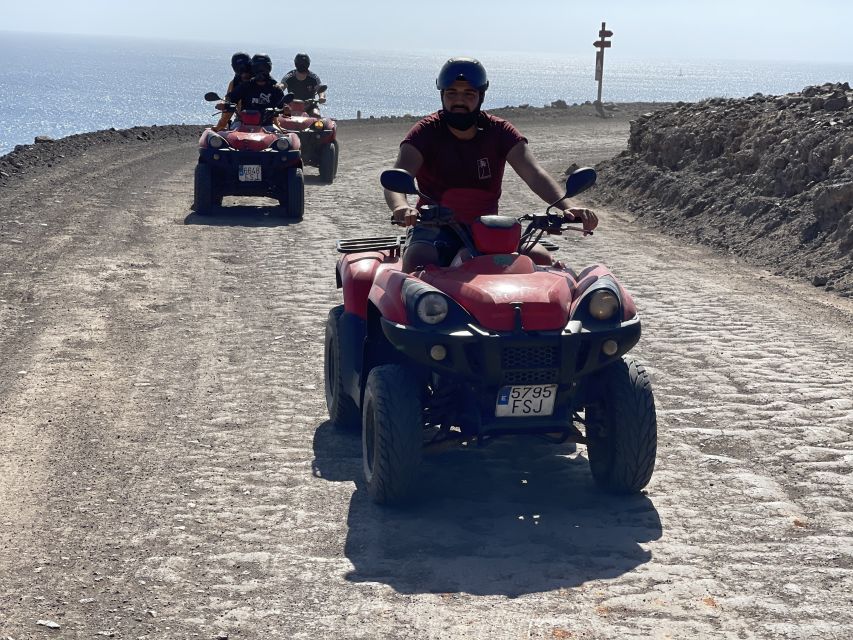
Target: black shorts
446,241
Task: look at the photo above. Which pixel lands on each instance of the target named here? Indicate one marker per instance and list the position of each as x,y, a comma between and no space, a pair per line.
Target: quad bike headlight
432,308
282,144
215,141
318,124
603,304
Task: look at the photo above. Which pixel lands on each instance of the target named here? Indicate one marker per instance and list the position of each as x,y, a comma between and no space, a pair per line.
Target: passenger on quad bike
458,155
253,157
241,63
304,84
261,93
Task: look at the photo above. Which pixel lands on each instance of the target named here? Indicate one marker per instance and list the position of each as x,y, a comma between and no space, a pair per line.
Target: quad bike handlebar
310,104
401,181
552,223
268,113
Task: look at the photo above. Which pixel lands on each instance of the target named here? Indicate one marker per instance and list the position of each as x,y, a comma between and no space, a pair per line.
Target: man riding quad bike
249,159
489,346
252,157
318,135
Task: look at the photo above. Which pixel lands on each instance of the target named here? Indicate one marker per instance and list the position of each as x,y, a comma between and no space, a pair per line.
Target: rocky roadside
769,178
45,152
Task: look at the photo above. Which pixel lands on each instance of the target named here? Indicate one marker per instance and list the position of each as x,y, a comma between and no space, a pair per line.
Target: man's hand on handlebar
405,216
585,216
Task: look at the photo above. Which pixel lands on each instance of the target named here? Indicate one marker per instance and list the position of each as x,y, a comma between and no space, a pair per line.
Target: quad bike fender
330,131
202,141
590,276
351,334
386,294
356,274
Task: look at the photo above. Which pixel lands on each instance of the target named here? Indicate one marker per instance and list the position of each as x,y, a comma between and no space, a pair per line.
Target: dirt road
167,470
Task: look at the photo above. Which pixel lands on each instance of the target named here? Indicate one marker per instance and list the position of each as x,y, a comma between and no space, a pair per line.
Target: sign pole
601,44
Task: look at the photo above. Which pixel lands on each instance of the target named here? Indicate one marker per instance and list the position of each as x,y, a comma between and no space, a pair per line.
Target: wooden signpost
601,44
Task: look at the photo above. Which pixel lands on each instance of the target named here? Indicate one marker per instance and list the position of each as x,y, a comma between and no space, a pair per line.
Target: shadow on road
314,179
241,216
518,516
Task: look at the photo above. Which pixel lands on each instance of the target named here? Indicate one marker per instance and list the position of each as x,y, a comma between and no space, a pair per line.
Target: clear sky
807,30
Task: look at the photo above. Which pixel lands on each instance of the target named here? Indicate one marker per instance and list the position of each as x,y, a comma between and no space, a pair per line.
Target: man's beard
459,120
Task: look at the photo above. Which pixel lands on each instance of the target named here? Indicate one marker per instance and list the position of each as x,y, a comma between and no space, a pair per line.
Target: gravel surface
167,469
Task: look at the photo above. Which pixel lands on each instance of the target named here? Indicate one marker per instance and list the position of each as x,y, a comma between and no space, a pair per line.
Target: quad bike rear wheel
622,428
294,201
203,199
329,162
342,410
392,433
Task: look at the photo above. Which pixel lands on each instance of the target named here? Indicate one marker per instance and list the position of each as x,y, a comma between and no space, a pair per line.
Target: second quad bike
492,345
251,158
318,135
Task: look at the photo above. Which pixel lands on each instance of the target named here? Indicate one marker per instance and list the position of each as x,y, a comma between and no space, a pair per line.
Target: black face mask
302,68
460,121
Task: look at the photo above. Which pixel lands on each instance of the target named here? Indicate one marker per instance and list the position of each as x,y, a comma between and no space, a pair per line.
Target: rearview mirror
399,181
212,96
580,180
322,87
288,98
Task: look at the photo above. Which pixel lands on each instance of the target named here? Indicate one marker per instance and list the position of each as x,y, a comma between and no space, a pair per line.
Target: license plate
250,173
519,401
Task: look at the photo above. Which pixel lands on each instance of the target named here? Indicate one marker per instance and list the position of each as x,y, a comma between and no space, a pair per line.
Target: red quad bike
252,158
492,345
319,136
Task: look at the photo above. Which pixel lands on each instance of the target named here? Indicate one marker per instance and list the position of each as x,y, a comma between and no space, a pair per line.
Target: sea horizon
87,83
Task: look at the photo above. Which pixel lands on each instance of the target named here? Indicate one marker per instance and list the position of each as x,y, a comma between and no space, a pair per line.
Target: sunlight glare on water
78,84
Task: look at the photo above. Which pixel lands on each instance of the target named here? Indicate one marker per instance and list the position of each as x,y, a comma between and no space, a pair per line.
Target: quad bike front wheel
294,201
392,433
342,410
203,199
329,162
622,428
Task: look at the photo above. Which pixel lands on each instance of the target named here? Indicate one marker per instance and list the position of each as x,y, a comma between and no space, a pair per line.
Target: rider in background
261,92
303,83
458,156
241,63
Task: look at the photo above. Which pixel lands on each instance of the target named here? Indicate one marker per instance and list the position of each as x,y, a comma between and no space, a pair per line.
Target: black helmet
261,63
241,62
467,69
302,62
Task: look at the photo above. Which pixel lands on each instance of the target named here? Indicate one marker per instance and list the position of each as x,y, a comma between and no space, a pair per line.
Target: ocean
58,85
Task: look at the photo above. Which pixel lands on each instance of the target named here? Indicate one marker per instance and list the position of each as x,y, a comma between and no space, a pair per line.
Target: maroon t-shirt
464,175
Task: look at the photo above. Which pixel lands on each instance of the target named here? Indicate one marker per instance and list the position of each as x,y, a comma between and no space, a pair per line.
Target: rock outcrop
766,177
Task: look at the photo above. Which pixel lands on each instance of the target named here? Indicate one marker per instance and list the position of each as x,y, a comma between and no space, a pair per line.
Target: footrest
547,244
379,243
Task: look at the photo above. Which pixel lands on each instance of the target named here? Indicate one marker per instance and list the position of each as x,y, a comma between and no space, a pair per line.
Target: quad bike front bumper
485,364
495,358
267,176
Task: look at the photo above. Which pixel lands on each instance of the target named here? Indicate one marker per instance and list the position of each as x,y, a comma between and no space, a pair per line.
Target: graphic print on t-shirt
264,98
483,169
